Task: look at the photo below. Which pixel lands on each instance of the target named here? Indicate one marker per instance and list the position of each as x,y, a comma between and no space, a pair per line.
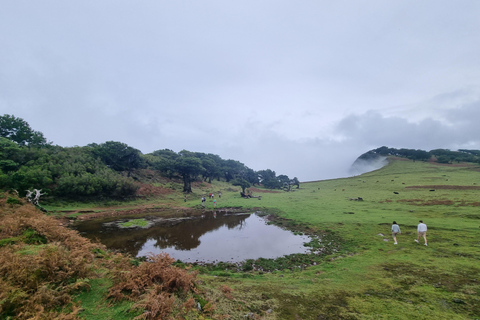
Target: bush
11,200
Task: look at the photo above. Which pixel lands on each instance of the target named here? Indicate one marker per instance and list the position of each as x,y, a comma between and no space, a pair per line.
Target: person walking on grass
422,232
395,231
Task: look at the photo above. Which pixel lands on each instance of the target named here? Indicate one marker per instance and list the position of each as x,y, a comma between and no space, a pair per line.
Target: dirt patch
148,190
168,212
445,202
444,187
421,202
263,190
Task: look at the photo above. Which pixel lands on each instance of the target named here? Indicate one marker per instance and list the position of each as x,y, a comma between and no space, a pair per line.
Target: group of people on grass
421,231
214,200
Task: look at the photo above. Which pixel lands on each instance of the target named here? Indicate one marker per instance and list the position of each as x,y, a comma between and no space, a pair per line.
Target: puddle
208,238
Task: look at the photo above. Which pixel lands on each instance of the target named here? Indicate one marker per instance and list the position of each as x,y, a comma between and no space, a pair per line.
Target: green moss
135,223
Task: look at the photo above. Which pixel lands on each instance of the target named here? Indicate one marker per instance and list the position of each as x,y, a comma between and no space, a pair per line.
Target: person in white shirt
395,231
422,232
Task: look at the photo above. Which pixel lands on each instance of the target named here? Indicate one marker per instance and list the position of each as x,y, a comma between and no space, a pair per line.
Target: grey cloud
379,130
275,84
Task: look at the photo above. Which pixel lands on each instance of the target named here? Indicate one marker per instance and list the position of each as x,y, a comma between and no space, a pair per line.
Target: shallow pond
205,238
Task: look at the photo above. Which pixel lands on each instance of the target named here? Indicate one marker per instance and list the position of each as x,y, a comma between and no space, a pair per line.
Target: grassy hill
363,275
370,277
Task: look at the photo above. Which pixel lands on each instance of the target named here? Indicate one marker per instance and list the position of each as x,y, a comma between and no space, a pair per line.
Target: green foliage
189,168
269,179
97,170
11,200
441,155
241,183
19,131
32,236
72,173
102,183
118,156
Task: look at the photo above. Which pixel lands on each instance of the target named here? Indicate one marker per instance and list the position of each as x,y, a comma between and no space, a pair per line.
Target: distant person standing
215,203
395,231
219,194
422,232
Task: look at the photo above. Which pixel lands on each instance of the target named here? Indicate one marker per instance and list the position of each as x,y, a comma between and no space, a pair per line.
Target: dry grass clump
155,285
41,264
227,291
148,190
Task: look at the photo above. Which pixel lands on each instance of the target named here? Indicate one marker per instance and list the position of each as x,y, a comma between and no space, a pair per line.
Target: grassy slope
372,278
369,278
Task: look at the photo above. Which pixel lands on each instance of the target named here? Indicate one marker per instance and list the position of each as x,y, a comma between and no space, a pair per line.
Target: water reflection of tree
181,236
239,225
186,236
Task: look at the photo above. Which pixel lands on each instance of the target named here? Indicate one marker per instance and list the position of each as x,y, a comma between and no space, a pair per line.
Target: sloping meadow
370,277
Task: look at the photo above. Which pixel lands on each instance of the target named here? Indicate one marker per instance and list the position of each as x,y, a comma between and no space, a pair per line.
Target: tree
18,130
163,161
211,169
295,182
10,155
241,183
269,179
118,156
232,169
189,168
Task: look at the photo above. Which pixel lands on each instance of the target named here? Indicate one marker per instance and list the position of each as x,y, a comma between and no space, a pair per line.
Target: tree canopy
19,131
440,155
104,170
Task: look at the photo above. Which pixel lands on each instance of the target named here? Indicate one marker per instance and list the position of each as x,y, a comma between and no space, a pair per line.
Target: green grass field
366,276
370,277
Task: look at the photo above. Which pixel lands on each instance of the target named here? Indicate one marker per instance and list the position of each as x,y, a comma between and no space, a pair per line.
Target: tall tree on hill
269,179
18,130
241,183
189,167
164,161
232,169
251,176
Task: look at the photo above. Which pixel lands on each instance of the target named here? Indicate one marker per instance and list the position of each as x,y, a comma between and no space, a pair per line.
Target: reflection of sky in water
251,240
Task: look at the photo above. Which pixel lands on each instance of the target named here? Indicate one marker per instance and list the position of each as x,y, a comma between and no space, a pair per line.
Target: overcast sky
299,87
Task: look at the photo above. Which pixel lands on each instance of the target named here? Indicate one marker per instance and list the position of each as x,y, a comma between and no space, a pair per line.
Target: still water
206,238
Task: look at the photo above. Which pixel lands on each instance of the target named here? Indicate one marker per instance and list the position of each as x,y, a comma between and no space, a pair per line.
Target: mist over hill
377,158
362,165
